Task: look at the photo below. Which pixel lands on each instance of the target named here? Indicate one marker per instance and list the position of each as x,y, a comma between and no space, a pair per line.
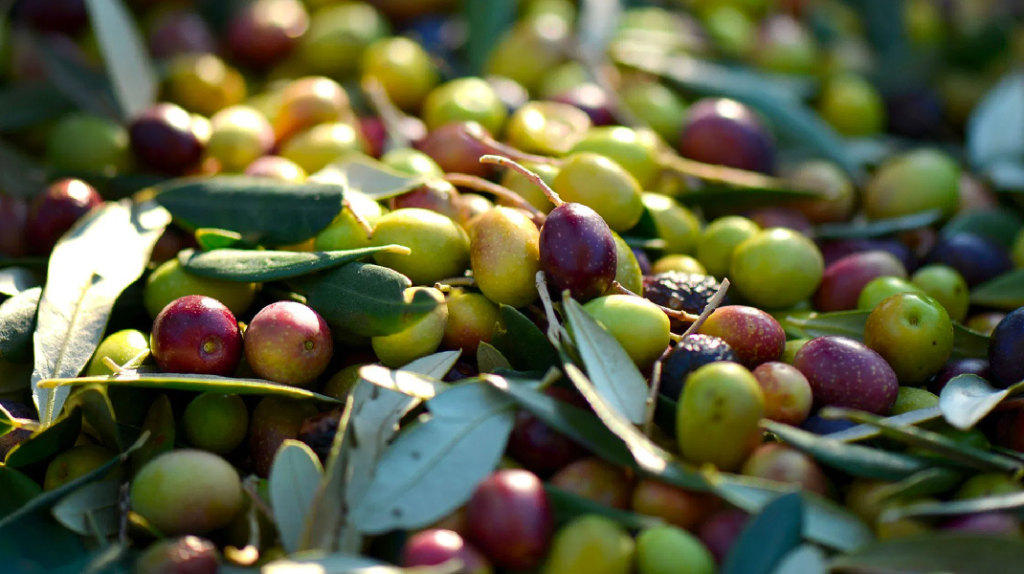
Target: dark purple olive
831,251
577,251
64,16
643,260
17,436
54,212
164,140
915,114
956,368
591,99
977,258
13,219
264,32
1006,350
725,132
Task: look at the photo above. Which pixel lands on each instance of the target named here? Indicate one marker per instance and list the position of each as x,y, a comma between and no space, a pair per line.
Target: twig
713,304
480,184
445,285
249,487
549,309
651,404
506,150
345,204
528,174
389,114
672,313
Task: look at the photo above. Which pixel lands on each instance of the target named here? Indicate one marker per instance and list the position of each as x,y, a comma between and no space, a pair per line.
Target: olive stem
713,304
112,365
445,285
389,114
672,313
249,487
504,149
480,184
719,174
651,403
345,204
549,309
532,176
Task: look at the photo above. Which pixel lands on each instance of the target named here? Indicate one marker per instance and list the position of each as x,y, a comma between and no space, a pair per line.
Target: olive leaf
1011,503
963,454
967,398
1003,292
14,280
250,266
18,490
995,130
45,443
767,538
878,227
342,563
490,359
361,173
368,424
525,345
20,175
936,552
262,210
17,324
567,506
87,87
805,559
28,104
92,508
213,239
864,432
612,371
125,54
364,299
852,459
928,482
597,24
194,383
98,412
294,477
159,423
433,467
999,224
104,253
824,521
486,23
967,344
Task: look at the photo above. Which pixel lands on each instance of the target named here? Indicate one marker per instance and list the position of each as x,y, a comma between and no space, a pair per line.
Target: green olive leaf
364,299
14,280
568,506
367,426
805,559
612,371
159,423
213,239
1003,292
864,432
490,359
359,172
28,104
963,454
84,85
1011,503
294,477
249,266
486,23
852,459
967,344
769,536
999,224
878,227
92,264
194,383
930,482
92,508
968,398
995,130
18,490
98,412
434,465
935,552
522,341
125,54
263,211
47,442
17,324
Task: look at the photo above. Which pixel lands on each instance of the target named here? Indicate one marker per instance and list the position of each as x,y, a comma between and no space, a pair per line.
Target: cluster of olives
526,172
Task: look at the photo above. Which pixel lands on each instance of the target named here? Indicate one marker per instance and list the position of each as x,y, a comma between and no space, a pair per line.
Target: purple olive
577,251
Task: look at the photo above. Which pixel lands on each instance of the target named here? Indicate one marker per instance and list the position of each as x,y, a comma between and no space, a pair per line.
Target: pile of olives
538,176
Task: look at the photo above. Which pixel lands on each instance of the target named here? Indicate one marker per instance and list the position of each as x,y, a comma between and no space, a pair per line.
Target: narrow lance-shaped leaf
17,324
47,442
251,266
853,459
490,359
766,539
1003,292
194,383
568,506
262,210
159,423
94,507
609,367
88,88
19,173
961,553
368,176
27,104
18,490
995,130
930,482
14,280
523,343
866,432
807,559
365,299
125,55
968,398
91,265
434,466
98,411
878,228
1011,503
294,478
